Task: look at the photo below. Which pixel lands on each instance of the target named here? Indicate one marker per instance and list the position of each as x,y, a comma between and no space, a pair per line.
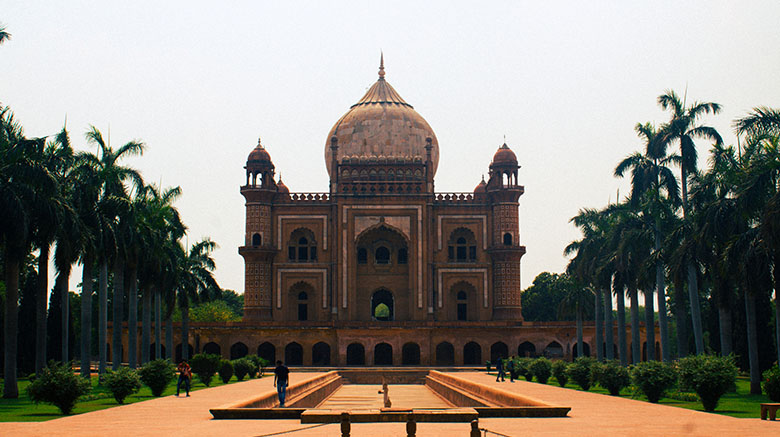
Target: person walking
185,375
500,369
281,378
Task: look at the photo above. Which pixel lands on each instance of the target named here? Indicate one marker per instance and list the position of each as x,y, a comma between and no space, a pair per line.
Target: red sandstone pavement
591,414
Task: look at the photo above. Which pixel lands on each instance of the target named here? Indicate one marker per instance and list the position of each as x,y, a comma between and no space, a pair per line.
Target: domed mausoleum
379,268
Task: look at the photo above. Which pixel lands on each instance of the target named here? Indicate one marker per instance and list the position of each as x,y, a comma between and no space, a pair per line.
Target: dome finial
258,142
381,65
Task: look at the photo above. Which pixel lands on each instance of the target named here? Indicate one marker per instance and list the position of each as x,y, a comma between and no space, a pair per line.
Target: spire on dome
381,65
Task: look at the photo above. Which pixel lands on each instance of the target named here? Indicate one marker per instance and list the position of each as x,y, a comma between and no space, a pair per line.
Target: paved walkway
591,415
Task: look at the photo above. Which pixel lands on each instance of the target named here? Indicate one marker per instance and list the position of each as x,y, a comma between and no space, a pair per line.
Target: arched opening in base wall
320,354
238,350
472,354
526,350
445,354
498,350
178,356
585,349
553,350
152,352
212,348
382,305
383,355
293,354
410,354
267,351
356,355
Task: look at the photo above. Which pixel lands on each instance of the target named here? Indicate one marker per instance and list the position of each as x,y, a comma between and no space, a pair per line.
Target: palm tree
195,282
682,129
113,202
576,300
653,188
24,184
4,35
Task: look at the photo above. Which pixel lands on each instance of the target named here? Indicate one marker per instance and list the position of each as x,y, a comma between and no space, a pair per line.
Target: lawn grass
740,403
23,409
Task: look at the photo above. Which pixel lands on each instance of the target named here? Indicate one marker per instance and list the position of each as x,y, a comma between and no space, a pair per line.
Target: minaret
505,250
258,250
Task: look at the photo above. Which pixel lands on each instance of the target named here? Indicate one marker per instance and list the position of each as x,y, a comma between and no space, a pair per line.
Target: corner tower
503,192
258,250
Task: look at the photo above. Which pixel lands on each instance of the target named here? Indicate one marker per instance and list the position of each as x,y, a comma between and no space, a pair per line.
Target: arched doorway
382,307
152,351
445,354
320,354
178,352
410,354
585,350
498,350
212,348
383,355
293,354
267,351
238,350
526,350
301,298
553,350
472,354
356,355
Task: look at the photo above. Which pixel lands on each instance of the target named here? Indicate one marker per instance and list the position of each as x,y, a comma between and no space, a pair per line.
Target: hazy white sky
566,82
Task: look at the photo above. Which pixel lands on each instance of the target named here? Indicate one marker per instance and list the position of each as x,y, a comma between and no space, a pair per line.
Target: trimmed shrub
122,383
710,376
653,378
225,371
59,386
559,372
157,374
771,383
260,364
612,376
524,368
581,372
487,365
242,368
205,366
542,369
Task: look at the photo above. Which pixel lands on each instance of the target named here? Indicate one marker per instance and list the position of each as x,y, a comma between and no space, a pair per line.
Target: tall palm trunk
650,324
132,318
752,338
599,327
681,319
608,325
693,297
146,322
169,351
10,327
693,280
41,294
86,316
157,325
635,337
776,277
65,306
185,333
102,316
660,290
116,337
724,320
621,313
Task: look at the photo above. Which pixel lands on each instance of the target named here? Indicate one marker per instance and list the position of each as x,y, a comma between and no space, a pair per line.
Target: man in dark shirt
281,377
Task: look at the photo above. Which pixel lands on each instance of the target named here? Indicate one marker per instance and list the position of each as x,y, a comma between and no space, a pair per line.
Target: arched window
382,305
403,256
507,239
382,255
462,305
362,255
302,246
303,306
257,240
462,246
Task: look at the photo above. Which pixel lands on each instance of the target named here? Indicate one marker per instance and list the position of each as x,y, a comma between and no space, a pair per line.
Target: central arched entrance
382,305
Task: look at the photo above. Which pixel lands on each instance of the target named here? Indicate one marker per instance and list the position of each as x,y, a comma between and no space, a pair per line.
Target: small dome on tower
259,155
481,187
281,187
504,155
